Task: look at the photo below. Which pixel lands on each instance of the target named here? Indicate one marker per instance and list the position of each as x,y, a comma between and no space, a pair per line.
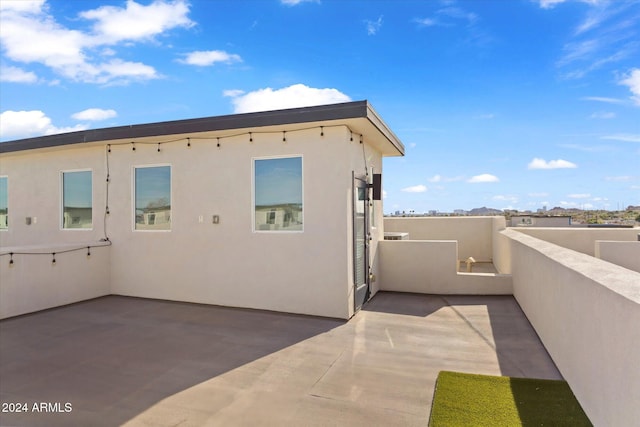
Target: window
277,199
4,203
77,197
152,194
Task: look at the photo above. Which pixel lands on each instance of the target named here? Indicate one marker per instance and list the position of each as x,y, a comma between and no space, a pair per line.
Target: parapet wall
581,239
430,267
474,234
34,282
624,254
586,312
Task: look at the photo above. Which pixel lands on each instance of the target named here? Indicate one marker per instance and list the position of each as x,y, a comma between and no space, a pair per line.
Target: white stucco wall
501,246
429,266
587,313
474,234
580,239
624,254
308,272
34,283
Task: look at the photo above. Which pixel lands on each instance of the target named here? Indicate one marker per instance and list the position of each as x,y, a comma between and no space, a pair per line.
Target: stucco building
269,210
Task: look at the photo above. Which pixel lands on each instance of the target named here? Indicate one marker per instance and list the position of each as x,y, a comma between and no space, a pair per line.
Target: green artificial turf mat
480,400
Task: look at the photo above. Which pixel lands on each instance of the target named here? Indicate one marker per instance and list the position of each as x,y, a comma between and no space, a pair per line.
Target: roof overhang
359,116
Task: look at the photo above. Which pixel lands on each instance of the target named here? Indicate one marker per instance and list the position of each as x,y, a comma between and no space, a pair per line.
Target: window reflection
278,194
77,196
153,198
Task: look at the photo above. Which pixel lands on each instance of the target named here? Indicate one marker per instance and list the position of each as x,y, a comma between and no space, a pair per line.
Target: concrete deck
138,362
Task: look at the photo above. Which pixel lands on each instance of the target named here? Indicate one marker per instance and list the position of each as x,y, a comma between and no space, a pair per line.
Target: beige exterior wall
501,246
624,254
586,312
429,266
307,272
34,282
474,234
581,239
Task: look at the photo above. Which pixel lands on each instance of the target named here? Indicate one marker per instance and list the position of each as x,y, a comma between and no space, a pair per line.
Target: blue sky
507,104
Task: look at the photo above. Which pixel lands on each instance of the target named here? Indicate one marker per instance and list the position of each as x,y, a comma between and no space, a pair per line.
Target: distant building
540,221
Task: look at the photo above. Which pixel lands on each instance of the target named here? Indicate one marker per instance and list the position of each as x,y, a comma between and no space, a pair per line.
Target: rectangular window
77,200
152,194
277,198
4,203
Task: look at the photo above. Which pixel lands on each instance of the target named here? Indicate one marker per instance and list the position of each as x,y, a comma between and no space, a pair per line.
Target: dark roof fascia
347,110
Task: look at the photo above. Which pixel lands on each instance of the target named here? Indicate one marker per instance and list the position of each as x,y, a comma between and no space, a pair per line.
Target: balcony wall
474,234
624,254
33,282
586,312
580,239
429,266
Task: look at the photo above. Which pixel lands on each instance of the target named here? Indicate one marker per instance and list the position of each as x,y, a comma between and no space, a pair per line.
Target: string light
250,137
108,148
158,147
321,130
284,136
133,146
55,254
189,142
218,143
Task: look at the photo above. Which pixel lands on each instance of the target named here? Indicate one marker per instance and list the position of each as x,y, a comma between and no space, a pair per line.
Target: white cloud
298,95
297,2
485,177
487,116
32,6
374,26
210,57
548,4
435,178
24,124
579,196
384,194
538,194
137,22
16,75
32,35
427,22
632,80
627,137
603,115
537,163
618,178
232,93
94,114
415,189
604,99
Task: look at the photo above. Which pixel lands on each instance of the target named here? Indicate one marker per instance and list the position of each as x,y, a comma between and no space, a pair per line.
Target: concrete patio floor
138,362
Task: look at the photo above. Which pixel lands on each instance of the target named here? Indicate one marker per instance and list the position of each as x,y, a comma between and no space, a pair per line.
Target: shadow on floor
507,331
113,357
